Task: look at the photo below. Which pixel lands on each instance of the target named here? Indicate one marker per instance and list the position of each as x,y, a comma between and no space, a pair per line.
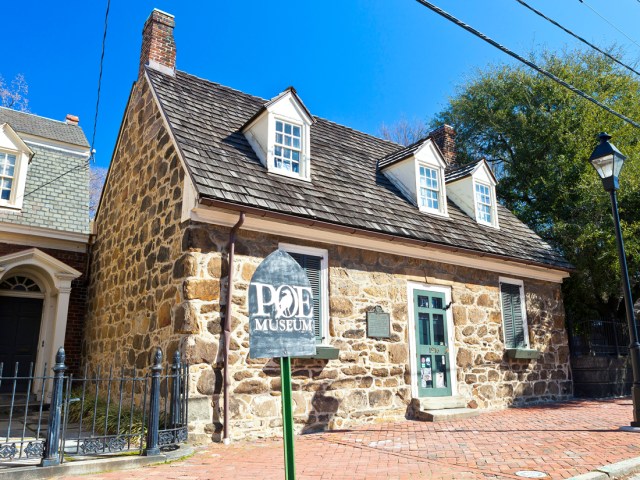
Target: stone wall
371,381
133,294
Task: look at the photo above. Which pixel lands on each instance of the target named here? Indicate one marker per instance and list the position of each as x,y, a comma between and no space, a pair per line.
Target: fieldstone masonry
370,382
158,282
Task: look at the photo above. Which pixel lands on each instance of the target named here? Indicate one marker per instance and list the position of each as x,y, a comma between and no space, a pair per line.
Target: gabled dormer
418,172
15,156
280,135
473,188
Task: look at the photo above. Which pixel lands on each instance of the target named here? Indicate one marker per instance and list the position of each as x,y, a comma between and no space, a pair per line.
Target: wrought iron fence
600,337
45,419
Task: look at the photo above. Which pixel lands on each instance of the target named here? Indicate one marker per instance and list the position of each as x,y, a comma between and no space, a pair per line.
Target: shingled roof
31,124
346,187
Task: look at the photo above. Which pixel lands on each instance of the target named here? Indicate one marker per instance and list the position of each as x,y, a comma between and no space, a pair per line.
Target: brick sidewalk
561,440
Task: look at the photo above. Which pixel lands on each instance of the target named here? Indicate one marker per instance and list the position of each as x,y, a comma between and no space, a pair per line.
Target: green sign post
287,419
281,325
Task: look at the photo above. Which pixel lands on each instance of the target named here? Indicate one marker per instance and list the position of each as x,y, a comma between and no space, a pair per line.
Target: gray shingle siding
62,204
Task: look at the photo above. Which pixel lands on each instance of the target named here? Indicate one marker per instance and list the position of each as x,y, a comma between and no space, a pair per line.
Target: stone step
439,403
447,414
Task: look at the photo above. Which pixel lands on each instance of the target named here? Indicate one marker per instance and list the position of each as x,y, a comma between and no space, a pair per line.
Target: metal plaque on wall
281,320
378,323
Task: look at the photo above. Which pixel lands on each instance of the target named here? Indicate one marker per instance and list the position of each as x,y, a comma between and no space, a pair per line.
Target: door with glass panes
432,344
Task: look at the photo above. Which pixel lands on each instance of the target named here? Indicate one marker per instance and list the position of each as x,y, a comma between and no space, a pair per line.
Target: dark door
20,327
432,345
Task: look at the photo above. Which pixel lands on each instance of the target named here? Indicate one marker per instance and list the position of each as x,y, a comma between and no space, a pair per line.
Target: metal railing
600,337
45,419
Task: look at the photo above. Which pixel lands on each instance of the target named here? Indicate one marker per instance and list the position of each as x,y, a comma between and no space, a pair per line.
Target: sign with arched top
281,320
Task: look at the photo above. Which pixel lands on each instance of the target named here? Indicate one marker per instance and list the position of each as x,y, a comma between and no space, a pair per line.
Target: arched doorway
33,281
21,302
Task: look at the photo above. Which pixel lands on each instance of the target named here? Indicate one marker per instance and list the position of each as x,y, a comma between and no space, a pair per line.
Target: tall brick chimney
445,137
158,46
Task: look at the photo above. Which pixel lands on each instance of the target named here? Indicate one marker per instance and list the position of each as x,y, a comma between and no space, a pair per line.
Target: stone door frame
413,364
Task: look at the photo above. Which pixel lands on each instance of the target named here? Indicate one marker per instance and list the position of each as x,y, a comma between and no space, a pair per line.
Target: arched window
20,284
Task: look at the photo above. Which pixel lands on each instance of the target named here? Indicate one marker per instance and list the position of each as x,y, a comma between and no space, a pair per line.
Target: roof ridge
39,116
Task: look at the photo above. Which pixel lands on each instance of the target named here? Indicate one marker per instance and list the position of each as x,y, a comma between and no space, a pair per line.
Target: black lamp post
608,161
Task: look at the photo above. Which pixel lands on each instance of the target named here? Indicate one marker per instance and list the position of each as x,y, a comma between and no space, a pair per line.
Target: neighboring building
44,238
469,288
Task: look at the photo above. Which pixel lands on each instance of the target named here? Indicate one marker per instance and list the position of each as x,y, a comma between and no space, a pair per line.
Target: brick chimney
72,119
445,138
158,46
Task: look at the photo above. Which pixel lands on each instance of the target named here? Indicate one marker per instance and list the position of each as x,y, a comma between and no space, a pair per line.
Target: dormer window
484,205
280,134
287,150
429,188
473,188
7,175
15,156
418,172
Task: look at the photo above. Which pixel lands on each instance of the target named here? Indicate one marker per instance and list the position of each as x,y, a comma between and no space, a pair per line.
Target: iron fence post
154,406
51,454
176,372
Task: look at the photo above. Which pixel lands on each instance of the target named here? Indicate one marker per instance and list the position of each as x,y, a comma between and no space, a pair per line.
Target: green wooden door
432,344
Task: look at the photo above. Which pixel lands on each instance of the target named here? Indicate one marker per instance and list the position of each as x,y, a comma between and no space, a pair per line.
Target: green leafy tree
538,137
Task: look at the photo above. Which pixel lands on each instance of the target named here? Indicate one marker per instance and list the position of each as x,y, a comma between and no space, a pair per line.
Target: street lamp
608,161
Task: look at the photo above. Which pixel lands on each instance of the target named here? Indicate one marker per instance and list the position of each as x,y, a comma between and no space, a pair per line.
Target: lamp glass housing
608,166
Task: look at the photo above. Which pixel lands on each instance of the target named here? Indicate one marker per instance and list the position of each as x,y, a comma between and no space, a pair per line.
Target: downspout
227,327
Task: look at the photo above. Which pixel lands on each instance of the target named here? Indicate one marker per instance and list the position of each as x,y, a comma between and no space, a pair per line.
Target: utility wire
85,164
541,70
606,20
608,55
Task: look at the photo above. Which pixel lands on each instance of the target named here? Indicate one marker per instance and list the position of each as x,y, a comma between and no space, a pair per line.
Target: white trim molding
43,237
523,302
324,280
228,218
411,325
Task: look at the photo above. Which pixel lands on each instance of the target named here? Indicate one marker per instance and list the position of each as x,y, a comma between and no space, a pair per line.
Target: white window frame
324,279
303,173
442,197
14,180
525,321
291,147
478,203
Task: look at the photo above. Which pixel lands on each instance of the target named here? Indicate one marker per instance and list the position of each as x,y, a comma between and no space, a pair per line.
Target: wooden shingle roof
346,188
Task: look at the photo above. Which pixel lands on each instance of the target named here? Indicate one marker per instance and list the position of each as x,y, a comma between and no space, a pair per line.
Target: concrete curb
98,465
614,470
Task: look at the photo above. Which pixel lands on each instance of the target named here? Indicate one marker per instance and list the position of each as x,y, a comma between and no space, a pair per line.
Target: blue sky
360,63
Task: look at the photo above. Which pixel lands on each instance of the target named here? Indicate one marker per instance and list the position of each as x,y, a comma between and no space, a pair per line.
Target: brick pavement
561,439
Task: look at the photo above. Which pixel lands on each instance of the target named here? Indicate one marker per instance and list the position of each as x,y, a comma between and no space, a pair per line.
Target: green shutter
312,266
512,315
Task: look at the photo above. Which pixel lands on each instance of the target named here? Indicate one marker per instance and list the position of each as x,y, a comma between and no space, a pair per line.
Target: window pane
12,159
296,131
436,302
287,128
278,138
296,143
423,324
278,126
423,301
295,167
441,379
438,329
5,195
287,140
295,155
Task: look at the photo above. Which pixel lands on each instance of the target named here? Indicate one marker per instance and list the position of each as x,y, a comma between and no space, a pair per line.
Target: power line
104,42
611,57
541,70
85,164
606,20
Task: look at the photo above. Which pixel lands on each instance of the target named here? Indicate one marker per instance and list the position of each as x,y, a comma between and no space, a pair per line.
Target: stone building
475,313
44,238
